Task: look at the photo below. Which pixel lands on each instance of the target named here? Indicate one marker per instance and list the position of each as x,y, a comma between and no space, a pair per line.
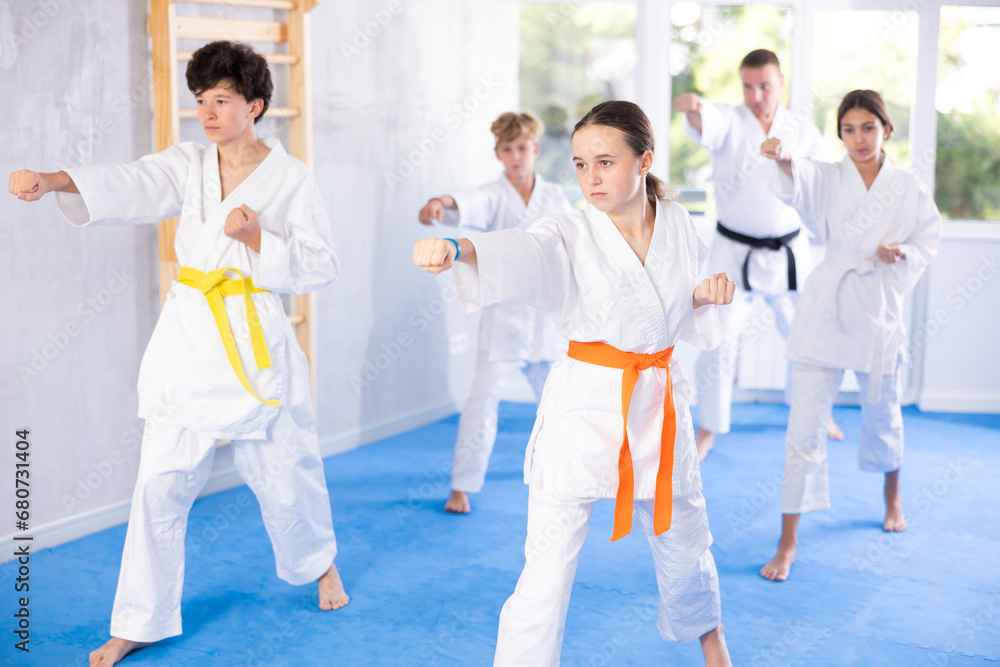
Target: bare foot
833,431
705,441
458,503
713,646
113,651
331,590
781,564
894,522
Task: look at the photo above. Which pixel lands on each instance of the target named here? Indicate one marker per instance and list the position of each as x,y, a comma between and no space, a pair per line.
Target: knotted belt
865,269
602,354
775,243
215,286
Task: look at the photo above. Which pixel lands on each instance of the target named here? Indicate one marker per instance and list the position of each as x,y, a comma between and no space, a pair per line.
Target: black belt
754,243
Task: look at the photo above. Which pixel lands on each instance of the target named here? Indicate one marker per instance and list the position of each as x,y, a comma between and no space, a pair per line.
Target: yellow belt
215,286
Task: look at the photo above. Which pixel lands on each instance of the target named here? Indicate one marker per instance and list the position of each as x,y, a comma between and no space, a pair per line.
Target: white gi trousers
805,487
285,472
715,370
533,618
477,427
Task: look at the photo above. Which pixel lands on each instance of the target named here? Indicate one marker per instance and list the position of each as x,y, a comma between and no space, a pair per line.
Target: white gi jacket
580,269
850,314
185,378
512,333
745,184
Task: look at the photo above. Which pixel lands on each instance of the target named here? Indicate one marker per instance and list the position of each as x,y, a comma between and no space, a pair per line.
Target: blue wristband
458,250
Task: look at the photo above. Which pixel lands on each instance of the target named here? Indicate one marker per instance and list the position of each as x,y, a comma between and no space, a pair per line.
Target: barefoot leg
713,646
833,431
894,519
781,564
331,590
705,442
113,651
458,503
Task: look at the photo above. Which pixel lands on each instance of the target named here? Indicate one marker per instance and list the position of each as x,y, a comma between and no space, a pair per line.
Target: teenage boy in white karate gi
223,361
511,338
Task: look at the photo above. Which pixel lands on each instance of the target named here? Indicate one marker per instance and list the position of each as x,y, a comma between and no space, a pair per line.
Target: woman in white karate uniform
511,338
252,226
881,229
620,280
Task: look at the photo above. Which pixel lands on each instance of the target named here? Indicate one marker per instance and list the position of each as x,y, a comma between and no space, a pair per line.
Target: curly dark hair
235,63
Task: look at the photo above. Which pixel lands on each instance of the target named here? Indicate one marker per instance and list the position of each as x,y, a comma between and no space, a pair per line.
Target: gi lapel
212,240
635,282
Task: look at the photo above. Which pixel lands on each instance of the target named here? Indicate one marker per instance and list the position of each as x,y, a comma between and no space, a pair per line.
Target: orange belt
602,354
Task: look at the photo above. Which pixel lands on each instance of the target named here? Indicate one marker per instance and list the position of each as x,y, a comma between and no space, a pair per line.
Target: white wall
959,335
80,75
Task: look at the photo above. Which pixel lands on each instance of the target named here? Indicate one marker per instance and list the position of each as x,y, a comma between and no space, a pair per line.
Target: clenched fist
718,289
242,225
687,103
434,255
890,254
27,185
433,211
771,148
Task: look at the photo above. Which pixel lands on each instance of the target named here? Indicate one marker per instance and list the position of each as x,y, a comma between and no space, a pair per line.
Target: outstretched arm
31,186
438,255
689,104
433,210
771,149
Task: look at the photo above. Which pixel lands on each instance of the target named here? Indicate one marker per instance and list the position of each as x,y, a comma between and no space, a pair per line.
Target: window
876,50
967,170
572,57
707,45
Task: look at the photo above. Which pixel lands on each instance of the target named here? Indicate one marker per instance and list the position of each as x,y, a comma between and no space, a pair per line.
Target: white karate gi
580,269
189,393
745,203
850,315
511,338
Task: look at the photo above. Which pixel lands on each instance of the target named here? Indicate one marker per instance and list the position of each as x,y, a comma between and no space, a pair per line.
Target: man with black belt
758,236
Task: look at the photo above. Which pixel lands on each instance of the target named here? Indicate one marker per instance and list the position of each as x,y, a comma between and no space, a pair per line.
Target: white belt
862,266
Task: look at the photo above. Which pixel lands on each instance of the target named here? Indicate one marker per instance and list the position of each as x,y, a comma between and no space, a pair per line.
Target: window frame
654,87
654,84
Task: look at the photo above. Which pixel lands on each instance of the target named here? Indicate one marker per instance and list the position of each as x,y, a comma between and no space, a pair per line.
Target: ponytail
658,190
633,122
